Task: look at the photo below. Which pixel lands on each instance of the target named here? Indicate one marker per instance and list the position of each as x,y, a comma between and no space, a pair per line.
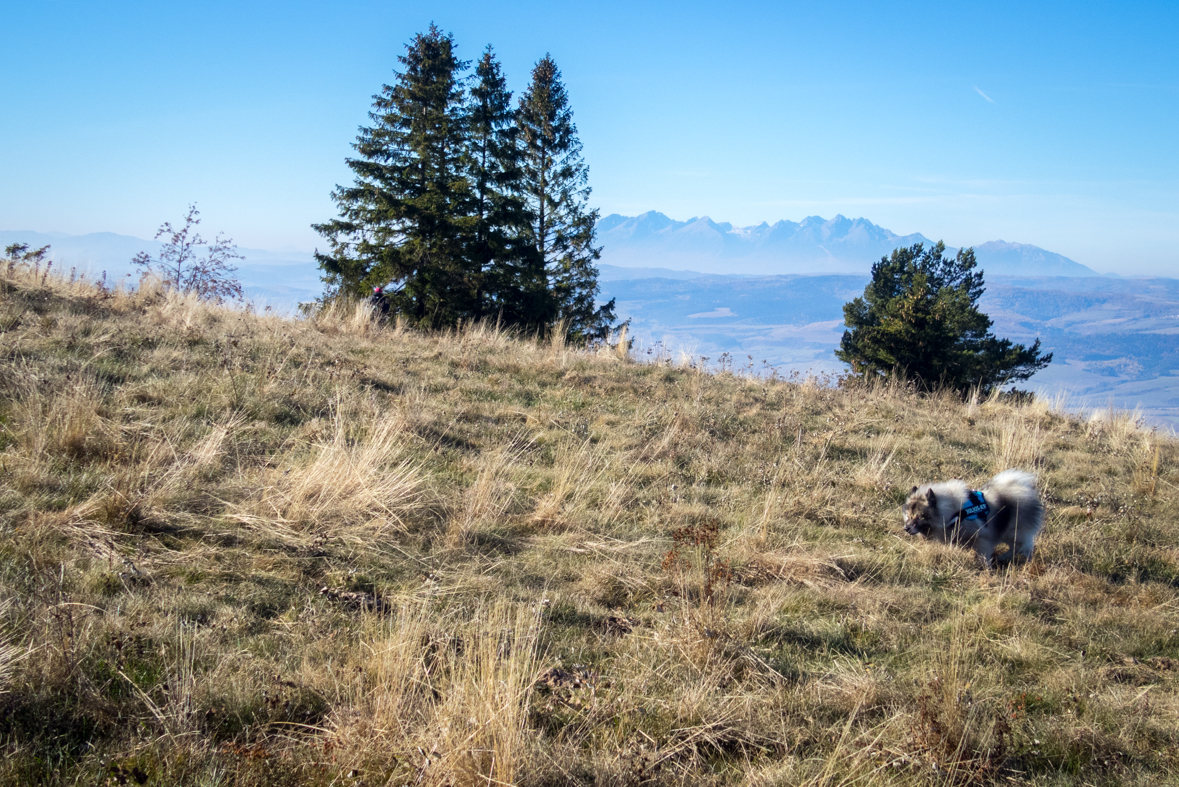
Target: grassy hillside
242,550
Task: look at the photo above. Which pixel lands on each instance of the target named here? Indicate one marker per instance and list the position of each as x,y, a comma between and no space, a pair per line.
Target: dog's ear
914,489
931,497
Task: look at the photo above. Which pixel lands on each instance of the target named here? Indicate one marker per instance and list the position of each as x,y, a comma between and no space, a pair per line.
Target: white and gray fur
1015,516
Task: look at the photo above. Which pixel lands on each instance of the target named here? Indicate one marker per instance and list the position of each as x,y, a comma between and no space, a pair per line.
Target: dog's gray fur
1015,517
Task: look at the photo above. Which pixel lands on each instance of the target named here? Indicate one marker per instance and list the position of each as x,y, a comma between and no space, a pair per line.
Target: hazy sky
1055,124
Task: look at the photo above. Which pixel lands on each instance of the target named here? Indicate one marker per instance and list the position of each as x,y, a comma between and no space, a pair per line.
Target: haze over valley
1115,341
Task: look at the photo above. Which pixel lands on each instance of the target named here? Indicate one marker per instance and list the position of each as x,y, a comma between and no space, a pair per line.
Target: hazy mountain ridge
1024,259
813,245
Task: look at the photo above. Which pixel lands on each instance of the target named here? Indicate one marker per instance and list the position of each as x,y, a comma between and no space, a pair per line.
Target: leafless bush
181,267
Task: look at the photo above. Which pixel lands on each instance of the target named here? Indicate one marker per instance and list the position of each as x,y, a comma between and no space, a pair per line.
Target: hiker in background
380,304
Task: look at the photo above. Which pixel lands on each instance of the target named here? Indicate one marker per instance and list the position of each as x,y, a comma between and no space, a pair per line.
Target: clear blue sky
1055,124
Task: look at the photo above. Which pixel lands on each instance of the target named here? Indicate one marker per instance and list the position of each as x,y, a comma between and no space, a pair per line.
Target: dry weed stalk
701,577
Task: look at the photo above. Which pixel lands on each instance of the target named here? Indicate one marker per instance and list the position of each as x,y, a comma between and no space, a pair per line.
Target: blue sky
1046,123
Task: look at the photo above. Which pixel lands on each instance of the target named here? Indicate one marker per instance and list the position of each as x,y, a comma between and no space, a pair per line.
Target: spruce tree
405,219
918,318
499,255
561,225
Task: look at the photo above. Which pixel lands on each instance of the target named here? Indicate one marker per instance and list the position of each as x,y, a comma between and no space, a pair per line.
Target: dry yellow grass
239,549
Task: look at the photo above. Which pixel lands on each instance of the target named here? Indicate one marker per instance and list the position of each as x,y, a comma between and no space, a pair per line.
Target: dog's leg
1023,547
1021,542
984,551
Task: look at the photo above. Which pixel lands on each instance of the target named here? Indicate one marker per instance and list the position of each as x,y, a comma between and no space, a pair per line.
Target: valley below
1115,341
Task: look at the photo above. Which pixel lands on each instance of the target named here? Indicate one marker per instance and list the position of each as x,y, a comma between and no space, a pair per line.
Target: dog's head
920,512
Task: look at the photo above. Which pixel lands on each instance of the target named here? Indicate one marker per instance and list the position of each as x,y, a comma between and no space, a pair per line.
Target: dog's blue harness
976,508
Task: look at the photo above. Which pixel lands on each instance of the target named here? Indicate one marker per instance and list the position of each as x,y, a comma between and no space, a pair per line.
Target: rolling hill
246,550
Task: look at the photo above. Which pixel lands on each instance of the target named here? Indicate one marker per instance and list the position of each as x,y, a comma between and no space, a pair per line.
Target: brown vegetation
240,549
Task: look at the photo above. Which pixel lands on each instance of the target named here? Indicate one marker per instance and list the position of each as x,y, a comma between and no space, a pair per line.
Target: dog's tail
1015,485
1018,488
1014,491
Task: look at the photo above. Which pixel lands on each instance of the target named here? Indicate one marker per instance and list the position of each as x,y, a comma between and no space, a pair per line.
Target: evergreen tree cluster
918,318
466,207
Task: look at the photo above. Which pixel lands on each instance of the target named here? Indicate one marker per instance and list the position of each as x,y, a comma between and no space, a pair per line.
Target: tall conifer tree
498,252
561,226
404,221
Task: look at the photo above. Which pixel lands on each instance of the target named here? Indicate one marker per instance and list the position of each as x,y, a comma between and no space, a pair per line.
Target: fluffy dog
1006,511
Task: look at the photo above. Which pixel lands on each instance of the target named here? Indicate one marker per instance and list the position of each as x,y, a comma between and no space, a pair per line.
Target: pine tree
919,318
499,255
405,220
561,226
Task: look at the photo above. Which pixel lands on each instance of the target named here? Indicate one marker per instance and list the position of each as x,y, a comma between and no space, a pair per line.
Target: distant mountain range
653,242
814,245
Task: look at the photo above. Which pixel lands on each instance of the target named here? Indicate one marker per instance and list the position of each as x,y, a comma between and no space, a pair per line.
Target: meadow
241,549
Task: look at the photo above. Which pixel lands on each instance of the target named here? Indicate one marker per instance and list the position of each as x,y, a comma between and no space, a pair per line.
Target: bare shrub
180,266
